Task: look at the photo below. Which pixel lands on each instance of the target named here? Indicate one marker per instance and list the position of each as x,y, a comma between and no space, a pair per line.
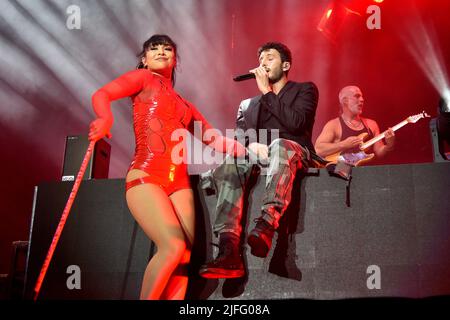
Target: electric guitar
360,157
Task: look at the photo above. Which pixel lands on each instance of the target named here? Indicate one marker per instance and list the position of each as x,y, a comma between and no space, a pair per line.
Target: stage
393,240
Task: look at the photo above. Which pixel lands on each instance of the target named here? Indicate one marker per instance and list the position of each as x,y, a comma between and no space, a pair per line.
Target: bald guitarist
344,133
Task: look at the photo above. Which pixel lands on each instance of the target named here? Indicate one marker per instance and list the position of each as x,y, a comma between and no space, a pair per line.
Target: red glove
125,86
100,128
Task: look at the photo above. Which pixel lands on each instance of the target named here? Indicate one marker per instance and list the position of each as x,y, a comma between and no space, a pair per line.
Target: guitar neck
372,141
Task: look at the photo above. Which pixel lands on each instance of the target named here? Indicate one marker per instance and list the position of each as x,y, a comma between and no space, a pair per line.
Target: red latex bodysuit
157,111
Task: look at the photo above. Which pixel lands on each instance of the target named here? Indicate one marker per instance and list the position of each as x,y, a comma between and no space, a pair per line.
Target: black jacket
292,111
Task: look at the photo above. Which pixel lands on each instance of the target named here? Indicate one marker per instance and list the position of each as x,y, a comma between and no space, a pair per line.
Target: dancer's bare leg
183,202
154,212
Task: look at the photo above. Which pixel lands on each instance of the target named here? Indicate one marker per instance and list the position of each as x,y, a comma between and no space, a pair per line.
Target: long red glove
126,85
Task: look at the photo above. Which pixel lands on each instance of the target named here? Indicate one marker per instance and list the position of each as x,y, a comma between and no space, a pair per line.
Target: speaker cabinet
76,147
102,252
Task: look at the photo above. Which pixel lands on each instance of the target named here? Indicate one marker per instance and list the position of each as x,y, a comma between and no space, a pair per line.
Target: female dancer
158,192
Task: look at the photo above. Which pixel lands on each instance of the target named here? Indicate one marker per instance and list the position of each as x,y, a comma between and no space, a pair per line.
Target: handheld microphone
243,77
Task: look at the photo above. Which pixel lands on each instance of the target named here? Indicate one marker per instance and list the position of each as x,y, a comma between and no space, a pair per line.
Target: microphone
243,77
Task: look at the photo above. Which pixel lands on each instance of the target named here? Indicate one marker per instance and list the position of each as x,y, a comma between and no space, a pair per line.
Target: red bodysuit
157,111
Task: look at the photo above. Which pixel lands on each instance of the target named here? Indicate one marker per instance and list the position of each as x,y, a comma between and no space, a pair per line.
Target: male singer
289,107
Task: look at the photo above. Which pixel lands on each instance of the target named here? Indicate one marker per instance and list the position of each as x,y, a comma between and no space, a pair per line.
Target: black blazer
292,111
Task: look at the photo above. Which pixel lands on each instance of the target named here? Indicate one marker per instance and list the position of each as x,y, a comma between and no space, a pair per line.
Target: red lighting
378,1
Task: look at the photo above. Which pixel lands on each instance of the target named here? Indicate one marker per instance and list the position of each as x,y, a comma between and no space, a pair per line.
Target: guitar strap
347,191
363,121
343,171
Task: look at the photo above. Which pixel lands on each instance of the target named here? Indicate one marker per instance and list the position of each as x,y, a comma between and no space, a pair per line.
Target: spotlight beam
421,41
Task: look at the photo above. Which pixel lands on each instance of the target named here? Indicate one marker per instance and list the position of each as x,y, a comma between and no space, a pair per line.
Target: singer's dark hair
284,51
155,40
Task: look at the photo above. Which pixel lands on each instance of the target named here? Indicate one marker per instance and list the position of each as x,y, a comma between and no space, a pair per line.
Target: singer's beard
277,75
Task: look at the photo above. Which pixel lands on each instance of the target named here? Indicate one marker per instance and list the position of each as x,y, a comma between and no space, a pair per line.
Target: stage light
378,1
444,119
332,20
444,102
329,13
420,39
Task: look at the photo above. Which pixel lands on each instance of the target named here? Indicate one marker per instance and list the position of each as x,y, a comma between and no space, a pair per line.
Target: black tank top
348,132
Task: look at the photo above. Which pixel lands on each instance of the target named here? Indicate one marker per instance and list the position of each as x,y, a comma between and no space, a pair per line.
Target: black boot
228,263
260,238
